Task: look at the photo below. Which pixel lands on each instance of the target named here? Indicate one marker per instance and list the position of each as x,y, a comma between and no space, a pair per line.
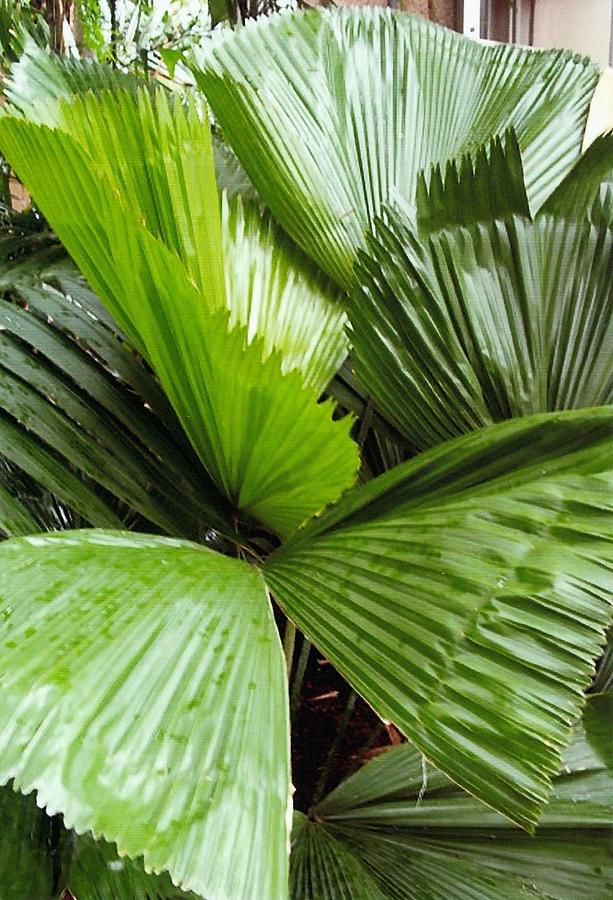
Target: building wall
581,25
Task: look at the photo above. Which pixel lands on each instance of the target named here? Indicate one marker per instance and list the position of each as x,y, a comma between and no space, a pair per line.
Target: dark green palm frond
456,325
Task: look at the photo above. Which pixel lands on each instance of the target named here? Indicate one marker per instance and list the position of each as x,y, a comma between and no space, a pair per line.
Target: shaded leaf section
466,326
14,516
418,835
598,719
39,857
81,414
603,682
98,873
229,174
28,864
479,186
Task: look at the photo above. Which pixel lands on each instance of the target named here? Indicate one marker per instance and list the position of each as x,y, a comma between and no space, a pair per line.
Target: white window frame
471,18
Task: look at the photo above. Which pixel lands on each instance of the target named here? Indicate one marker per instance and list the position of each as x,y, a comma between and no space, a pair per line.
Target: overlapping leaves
406,831
140,169
466,594
476,312
38,79
80,414
334,113
39,857
244,377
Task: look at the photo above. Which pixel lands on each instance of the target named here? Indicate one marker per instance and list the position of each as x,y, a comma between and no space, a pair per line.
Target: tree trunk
441,11
55,12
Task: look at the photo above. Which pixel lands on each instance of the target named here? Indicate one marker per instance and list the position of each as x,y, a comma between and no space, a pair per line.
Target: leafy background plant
50,305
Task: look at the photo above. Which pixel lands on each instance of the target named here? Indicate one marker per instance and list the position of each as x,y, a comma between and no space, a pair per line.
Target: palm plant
415,834
465,593
20,22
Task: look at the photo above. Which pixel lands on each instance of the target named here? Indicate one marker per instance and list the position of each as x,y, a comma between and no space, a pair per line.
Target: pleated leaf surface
82,416
460,327
466,595
275,291
39,858
144,697
39,79
321,867
149,240
419,836
333,113
590,179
